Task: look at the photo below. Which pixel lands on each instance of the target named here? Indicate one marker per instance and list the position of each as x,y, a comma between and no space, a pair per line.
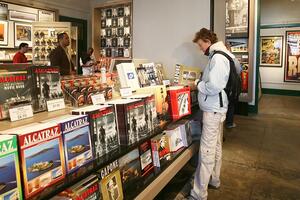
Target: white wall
163,31
278,12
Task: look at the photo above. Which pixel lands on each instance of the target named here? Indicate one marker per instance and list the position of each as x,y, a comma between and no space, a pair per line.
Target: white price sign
19,113
55,104
98,99
125,92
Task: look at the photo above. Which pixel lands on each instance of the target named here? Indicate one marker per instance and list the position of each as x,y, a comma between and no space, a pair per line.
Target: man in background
20,57
60,56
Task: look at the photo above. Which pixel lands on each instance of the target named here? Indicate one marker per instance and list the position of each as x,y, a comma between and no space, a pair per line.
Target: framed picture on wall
237,18
3,11
3,33
23,33
22,16
46,16
238,45
292,67
271,51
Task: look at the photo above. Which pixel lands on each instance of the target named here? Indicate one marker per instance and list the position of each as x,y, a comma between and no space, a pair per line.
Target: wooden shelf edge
166,176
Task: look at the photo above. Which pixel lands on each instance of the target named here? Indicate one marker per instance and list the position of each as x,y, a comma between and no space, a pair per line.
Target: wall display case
45,40
292,67
112,25
271,48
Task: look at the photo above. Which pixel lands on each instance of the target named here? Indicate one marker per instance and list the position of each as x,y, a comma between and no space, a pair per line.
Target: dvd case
10,177
185,127
179,98
130,168
146,158
160,149
77,140
103,128
131,120
41,155
88,189
176,137
45,86
15,88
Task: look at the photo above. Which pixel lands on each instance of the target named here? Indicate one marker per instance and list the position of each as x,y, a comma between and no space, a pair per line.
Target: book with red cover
146,158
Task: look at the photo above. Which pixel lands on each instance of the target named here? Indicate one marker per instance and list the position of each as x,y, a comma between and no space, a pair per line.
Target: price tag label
55,104
166,82
125,92
19,113
98,99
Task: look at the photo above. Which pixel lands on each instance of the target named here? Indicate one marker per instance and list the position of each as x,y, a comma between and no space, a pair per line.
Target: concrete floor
261,156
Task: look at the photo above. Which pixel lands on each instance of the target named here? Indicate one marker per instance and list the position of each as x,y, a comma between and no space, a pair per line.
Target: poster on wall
238,45
22,16
3,11
271,51
3,33
46,16
23,33
237,18
292,67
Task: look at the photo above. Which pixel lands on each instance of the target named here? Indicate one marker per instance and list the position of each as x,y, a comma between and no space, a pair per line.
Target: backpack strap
232,67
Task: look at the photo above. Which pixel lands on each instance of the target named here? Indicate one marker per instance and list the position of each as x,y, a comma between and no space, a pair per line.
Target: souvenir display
10,181
292,67
160,149
186,75
128,76
115,25
41,156
146,158
161,101
238,45
237,18
15,88
179,101
271,51
46,86
89,188
130,168
77,140
176,137
149,74
131,120
150,110
103,128
111,182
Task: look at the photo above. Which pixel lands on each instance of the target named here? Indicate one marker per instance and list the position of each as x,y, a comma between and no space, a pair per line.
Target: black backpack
233,87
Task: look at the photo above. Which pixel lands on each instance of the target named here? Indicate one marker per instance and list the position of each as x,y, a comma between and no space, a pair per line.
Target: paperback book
160,149
41,155
176,138
146,158
10,177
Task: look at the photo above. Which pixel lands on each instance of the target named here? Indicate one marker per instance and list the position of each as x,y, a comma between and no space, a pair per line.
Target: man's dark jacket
59,58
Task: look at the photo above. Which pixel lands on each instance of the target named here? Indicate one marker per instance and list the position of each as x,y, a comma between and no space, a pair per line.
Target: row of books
41,154
127,174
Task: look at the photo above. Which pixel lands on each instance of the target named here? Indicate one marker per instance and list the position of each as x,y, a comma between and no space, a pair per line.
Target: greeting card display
15,88
77,140
160,149
46,86
131,120
103,128
179,101
150,74
146,158
10,181
41,156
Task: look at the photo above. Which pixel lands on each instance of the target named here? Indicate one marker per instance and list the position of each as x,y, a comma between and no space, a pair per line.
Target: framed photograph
237,18
271,51
46,16
23,33
3,33
22,16
238,45
3,11
292,67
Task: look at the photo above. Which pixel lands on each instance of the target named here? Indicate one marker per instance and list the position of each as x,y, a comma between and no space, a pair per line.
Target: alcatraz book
131,120
87,189
41,156
45,86
15,89
103,128
110,182
77,140
10,181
